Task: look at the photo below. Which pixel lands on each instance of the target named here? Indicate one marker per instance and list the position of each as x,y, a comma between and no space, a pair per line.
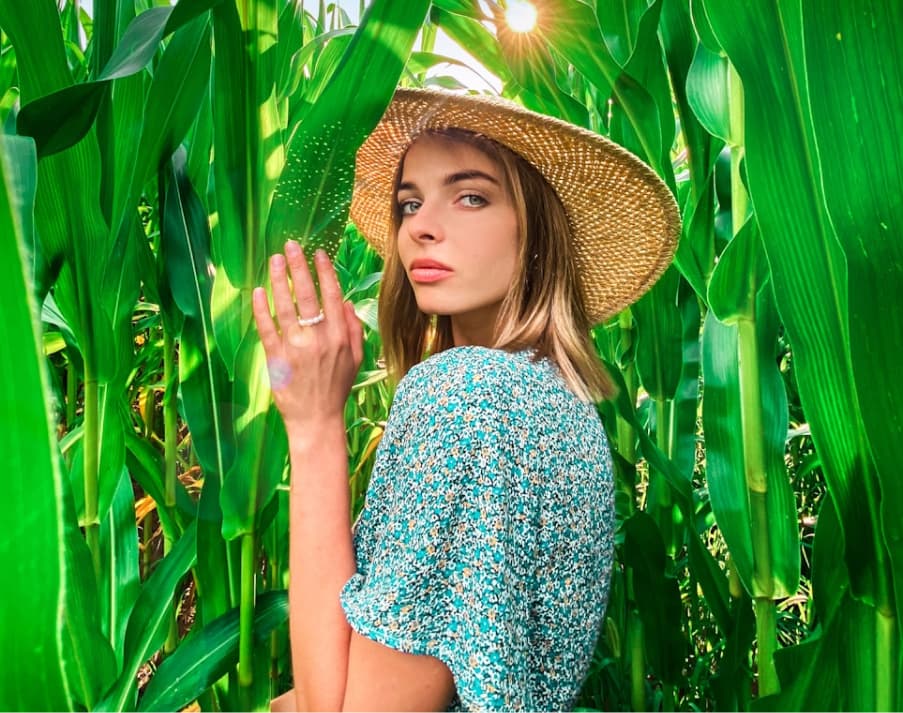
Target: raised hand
313,352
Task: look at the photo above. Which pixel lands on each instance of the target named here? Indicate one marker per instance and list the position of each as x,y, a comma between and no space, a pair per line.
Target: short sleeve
447,576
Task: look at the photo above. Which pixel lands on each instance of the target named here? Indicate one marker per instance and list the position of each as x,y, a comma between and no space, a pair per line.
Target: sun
520,15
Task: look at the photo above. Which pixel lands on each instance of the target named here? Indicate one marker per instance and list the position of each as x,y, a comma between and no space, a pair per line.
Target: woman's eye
408,207
472,200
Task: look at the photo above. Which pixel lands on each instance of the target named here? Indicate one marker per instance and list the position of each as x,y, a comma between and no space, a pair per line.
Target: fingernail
321,255
277,260
292,248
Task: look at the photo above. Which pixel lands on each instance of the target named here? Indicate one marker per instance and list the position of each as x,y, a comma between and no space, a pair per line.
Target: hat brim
624,219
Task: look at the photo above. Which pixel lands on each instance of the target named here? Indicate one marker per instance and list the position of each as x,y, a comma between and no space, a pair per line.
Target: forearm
321,559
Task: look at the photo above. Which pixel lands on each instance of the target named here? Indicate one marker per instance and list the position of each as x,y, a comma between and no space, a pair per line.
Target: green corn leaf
620,25
187,263
33,558
145,465
576,36
809,272
261,446
49,622
468,31
149,620
218,563
708,95
741,270
169,109
120,577
726,462
659,337
858,54
650,136
685,406
695,255
249,149
314,192
657,597
111,456
78,104
208,655
835,667
118,120
706,570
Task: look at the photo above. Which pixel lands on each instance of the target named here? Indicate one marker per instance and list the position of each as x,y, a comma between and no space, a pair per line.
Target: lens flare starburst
520,15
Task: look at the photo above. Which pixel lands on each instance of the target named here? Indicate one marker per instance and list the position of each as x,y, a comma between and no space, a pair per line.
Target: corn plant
259,115
178,147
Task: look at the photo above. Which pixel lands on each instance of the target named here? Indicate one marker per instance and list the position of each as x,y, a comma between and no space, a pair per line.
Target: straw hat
624,220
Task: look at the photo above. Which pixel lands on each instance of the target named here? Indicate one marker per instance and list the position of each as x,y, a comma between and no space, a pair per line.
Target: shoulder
477,377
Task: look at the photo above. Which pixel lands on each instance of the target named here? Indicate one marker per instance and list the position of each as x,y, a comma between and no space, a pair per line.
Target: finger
330,290
282,293
303,284
355,334
266,328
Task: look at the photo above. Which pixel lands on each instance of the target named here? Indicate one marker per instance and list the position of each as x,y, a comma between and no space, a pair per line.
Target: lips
429,271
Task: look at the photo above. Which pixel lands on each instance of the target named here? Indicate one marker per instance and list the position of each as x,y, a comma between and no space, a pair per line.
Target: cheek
502,245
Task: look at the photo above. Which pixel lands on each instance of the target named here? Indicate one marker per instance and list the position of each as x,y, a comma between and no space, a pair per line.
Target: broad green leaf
314,192
248,145
835,668
620,23
118,120
261,447
855,58
740,272
49,620
21,187
646,69
695,255
185,244
657,597
120,574
809,274
706,569
79,103
659,337
187,264
208,655
149,620
732,481
707,93
171,104
33,558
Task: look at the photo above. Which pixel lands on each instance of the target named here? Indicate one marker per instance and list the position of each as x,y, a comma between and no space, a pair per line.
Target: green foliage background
153,155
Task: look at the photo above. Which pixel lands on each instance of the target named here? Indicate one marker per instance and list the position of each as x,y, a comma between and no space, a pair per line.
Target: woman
477,575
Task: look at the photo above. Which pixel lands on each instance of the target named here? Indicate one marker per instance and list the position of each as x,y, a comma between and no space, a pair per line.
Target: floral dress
486,540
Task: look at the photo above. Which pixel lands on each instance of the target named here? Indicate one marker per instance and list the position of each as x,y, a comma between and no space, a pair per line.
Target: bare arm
312,369
321,560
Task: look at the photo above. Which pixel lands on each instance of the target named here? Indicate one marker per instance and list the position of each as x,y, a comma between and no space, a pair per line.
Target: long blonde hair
543,310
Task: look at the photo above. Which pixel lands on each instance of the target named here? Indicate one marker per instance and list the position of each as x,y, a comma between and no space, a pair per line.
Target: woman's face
458,238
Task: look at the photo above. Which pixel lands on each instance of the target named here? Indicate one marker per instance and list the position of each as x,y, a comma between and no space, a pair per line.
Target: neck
475,330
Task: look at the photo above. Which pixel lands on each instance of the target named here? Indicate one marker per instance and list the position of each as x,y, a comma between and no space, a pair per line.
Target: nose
424,225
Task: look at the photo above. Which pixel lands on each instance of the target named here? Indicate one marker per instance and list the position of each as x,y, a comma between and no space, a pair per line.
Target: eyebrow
453,178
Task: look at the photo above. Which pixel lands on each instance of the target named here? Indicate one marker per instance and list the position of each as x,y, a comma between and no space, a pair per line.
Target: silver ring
311,321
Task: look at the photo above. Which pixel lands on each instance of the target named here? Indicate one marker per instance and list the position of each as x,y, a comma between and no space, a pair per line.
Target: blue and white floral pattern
487,535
